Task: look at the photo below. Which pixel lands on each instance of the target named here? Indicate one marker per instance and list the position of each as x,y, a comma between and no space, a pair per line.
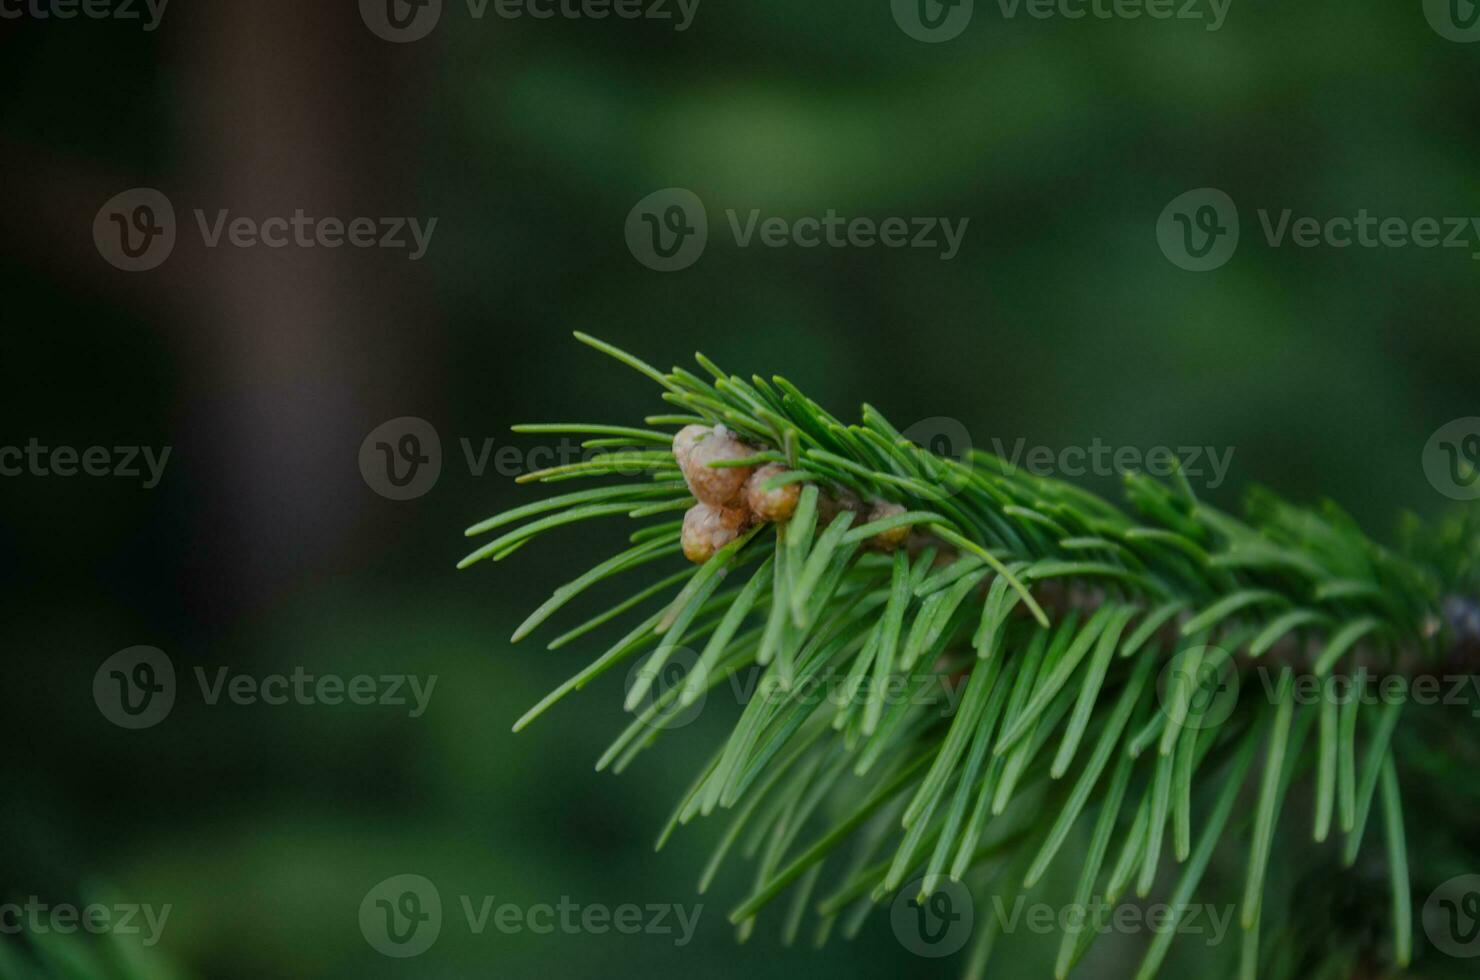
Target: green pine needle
923,707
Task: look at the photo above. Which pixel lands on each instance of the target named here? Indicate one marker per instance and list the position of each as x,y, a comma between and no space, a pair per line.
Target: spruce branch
1092,644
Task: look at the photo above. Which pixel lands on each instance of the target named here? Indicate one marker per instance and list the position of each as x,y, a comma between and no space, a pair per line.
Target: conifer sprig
1093,646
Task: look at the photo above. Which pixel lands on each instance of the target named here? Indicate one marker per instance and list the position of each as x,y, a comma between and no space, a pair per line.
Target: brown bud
771,505
707,529
695,447
893,538
829,506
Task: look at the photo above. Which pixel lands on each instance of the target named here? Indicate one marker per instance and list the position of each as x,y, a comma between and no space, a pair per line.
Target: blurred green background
1060,322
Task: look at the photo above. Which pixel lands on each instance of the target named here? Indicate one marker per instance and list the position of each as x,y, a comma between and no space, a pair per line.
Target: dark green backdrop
1059,322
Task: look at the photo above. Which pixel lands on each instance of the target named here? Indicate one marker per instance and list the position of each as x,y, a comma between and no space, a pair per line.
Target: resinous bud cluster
732,498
